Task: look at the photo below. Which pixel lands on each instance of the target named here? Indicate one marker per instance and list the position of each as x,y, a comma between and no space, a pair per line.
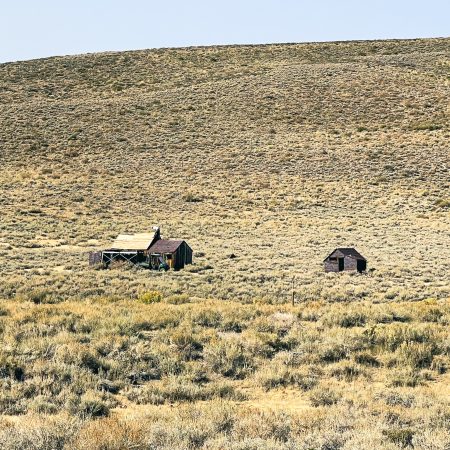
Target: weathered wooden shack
131,247
345,259
176,254
147,250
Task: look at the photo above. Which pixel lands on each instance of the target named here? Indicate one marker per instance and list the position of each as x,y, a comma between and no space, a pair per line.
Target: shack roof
138,241
347,251
165,246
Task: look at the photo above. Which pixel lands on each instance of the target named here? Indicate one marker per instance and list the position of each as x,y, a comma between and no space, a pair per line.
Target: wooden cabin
176,254
145,249
345,259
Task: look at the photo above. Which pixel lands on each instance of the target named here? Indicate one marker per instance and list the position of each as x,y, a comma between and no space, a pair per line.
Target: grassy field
264,159
182,373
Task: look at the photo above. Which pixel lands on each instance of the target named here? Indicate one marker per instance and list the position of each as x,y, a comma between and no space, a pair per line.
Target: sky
32,29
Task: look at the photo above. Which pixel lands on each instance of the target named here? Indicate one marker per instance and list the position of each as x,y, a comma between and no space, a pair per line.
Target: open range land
264,159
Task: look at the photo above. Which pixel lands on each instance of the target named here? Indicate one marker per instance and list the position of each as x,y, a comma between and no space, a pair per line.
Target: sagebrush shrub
324,396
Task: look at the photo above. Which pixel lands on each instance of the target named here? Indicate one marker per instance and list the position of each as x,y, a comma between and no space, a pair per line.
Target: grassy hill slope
275,154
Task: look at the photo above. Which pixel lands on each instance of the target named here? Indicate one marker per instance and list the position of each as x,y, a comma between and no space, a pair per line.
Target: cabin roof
137,241
347,251
165,246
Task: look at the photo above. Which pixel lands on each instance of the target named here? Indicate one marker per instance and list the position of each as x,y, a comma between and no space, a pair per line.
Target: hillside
276,154
290,150
264,158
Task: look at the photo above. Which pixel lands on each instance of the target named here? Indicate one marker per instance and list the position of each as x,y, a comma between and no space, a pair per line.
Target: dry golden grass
103,374
275,154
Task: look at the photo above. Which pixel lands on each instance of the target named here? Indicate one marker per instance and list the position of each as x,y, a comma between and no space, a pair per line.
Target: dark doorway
361,265
341,264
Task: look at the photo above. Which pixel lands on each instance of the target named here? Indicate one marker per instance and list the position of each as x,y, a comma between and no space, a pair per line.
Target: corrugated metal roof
347,251
137,241
165,246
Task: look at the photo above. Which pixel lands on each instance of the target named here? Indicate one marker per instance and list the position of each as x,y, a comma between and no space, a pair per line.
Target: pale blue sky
39,28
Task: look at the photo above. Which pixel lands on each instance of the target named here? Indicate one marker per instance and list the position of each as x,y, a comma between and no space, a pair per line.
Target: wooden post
293,291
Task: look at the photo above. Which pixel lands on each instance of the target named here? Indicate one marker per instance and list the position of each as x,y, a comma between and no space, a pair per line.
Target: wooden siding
350,263
95,258
183,256
331,264
177,259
